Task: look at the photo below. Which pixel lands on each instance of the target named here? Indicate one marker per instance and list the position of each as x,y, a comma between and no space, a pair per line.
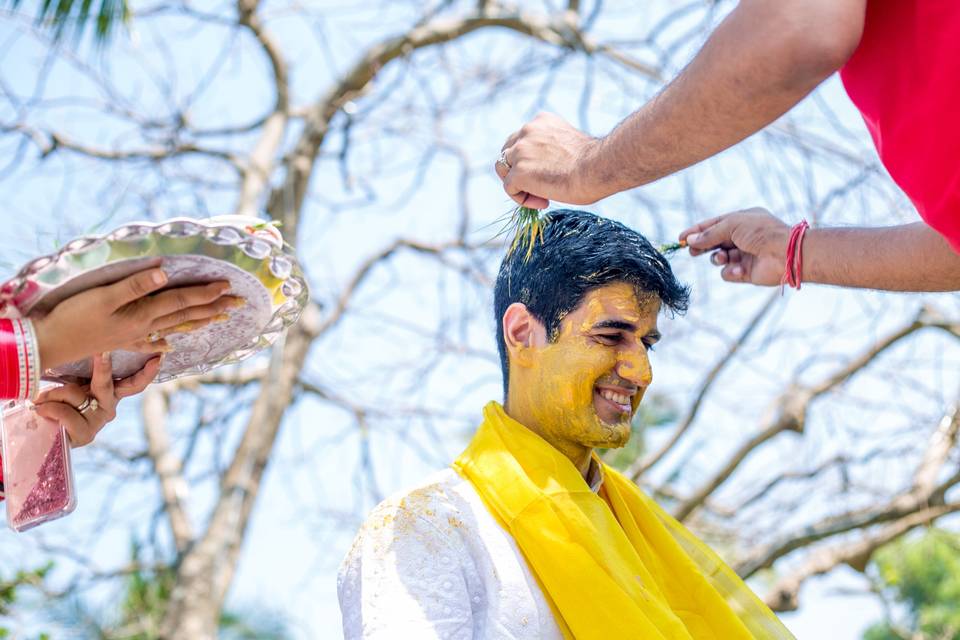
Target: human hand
123,314
750,245
61,403
546,160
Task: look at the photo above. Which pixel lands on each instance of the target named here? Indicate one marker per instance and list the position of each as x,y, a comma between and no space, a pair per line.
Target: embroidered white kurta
434,563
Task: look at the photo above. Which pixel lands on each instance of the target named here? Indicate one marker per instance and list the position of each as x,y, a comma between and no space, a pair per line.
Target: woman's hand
127,314
60,404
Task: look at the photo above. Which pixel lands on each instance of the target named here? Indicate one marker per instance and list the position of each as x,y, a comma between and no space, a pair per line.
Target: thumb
713,236
535,202
134,287
138,381
514,183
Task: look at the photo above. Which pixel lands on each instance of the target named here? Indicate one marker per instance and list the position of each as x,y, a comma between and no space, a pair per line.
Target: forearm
910,257
762,60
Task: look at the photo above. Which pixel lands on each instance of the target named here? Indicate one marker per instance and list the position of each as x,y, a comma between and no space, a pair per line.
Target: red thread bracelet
793,267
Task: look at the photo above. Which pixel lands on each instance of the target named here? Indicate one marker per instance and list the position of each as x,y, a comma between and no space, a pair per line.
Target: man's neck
578,454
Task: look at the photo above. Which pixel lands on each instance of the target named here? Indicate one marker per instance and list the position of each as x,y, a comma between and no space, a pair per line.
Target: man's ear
521,331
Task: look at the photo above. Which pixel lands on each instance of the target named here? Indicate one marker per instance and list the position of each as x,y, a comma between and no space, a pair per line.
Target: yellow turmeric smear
552,386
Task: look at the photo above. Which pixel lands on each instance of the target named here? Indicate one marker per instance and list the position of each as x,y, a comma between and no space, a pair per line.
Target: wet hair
580,251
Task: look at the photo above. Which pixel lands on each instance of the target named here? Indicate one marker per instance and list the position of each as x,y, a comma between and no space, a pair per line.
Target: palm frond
72,17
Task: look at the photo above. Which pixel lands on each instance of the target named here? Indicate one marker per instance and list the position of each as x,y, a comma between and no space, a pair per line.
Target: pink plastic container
37,472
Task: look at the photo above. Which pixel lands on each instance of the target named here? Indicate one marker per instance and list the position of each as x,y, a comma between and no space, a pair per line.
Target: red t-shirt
905,79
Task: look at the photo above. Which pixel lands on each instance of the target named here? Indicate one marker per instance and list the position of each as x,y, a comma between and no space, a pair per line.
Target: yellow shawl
631,573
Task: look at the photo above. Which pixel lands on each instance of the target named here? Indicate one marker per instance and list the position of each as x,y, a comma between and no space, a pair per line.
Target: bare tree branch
924,493
206,570
261,160
644,464
788,413
49,142
784,595
169,470
286,200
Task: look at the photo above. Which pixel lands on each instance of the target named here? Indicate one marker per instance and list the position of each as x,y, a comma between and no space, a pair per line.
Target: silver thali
260,267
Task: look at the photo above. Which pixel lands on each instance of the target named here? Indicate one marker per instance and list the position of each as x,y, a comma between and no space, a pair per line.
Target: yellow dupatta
634,572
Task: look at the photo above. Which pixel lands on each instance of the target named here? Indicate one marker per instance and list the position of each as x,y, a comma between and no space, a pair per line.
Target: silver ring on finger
154,336
502,160
88,406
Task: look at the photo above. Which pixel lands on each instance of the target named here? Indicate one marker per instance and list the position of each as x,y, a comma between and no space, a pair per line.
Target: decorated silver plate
252,256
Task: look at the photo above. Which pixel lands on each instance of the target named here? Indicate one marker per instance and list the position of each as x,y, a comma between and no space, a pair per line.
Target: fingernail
159,277
736,271
221,317
238,302
105,356
693,237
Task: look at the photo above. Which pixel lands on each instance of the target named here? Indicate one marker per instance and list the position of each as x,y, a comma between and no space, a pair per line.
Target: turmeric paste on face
562,389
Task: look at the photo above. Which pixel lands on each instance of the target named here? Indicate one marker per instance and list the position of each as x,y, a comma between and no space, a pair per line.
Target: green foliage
9,590
671,248
146,595
145,598
141,606
881,631
921,577
527,225
66,17
234,626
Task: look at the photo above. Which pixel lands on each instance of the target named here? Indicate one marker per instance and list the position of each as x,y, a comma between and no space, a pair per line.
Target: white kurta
434,563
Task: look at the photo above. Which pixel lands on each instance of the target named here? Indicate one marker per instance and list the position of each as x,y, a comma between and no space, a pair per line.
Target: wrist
812,268
50,353
595,181
775,242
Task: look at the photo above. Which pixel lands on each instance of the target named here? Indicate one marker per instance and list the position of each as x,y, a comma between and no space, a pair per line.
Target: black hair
579,252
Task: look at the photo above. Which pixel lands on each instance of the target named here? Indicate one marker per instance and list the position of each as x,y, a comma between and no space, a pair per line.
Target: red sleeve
904,80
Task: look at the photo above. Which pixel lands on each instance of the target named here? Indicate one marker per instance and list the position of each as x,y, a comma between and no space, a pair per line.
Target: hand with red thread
749,245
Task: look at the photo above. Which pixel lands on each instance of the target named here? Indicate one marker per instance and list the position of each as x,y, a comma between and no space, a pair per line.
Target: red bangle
9,361
19,359
793,267
31,355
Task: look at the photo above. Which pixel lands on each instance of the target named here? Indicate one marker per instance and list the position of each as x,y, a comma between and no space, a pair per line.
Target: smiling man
529,534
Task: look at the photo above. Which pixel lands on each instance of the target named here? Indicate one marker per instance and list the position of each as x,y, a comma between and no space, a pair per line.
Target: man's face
584,387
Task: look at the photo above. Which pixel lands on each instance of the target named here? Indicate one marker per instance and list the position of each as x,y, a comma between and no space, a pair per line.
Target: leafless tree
806,430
